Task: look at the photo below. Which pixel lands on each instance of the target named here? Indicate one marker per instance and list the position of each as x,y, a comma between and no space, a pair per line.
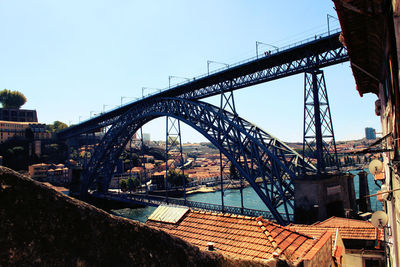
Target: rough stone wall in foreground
41,227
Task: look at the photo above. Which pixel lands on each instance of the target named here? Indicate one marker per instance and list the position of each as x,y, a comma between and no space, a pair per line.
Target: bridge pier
318,136
321,196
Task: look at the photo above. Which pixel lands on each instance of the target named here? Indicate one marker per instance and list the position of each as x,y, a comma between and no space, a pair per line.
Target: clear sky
75,58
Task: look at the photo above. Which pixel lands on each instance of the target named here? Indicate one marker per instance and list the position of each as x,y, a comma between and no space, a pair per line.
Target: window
373,263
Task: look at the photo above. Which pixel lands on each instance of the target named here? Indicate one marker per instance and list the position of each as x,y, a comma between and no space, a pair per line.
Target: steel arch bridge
254,152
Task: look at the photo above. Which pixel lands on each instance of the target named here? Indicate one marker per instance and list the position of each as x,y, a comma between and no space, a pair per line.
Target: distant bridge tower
318,137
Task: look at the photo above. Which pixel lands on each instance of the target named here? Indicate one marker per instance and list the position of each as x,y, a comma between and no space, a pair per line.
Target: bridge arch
255,153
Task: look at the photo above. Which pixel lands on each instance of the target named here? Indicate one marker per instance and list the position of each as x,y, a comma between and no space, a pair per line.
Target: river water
232,198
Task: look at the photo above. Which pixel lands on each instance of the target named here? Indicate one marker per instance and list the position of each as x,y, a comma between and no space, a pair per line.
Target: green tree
12,99
175,177
123,184
56,126
133,183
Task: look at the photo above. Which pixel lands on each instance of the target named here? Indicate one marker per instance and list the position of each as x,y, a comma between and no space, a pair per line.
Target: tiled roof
350,228
343,222
310,230
241,236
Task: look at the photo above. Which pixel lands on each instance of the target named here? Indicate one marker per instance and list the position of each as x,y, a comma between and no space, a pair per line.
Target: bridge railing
159,200
275,51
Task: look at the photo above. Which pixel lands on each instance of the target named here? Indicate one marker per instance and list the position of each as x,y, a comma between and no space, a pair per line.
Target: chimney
210,246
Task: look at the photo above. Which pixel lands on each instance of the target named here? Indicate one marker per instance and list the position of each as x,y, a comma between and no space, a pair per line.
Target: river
232,198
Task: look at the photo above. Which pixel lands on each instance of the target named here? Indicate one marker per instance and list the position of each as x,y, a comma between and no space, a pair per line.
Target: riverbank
210,189
202,189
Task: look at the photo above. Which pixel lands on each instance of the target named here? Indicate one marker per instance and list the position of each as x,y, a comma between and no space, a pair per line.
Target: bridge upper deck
320,51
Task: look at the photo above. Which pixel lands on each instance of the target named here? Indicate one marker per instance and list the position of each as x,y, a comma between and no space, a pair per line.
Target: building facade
371,33
21,115
370,133
56,174
12,129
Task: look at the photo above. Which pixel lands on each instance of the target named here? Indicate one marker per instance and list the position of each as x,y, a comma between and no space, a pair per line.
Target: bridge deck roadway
151,200
317,53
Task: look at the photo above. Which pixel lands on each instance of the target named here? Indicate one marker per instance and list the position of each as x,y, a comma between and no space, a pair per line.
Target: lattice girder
276,163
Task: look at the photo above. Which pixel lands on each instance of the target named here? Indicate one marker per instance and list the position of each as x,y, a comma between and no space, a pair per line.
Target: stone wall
320,197
41,227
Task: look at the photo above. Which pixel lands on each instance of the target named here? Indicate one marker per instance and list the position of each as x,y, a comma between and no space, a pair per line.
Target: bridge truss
313,54
259,154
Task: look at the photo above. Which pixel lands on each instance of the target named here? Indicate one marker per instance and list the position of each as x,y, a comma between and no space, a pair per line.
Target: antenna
375,166
379,219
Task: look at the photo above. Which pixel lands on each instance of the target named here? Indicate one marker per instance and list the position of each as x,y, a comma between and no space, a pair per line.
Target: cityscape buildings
370,133
11,129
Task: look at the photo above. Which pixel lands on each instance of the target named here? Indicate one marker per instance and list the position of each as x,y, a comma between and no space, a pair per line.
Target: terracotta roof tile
348,228
343,222
239,236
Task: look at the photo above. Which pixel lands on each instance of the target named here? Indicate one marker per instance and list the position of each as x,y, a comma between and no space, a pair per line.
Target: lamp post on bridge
327,20
123,97
104,107
216,62
149,88
261,43
177,77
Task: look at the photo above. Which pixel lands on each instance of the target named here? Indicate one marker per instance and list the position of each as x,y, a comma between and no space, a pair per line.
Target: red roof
243,237
344,222
349,228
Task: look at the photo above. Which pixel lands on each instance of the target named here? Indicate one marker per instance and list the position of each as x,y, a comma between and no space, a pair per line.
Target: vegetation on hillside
18,153
56,126
129,184
175,178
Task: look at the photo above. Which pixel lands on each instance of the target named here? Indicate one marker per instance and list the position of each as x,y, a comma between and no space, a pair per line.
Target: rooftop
348,228
241,236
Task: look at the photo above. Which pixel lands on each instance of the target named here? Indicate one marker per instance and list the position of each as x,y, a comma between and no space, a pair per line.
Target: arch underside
254,152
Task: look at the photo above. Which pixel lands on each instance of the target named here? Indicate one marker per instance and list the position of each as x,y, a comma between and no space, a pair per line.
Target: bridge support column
137,144
221,168
173,144
86,150
328,192
228,103
142,161
318,136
